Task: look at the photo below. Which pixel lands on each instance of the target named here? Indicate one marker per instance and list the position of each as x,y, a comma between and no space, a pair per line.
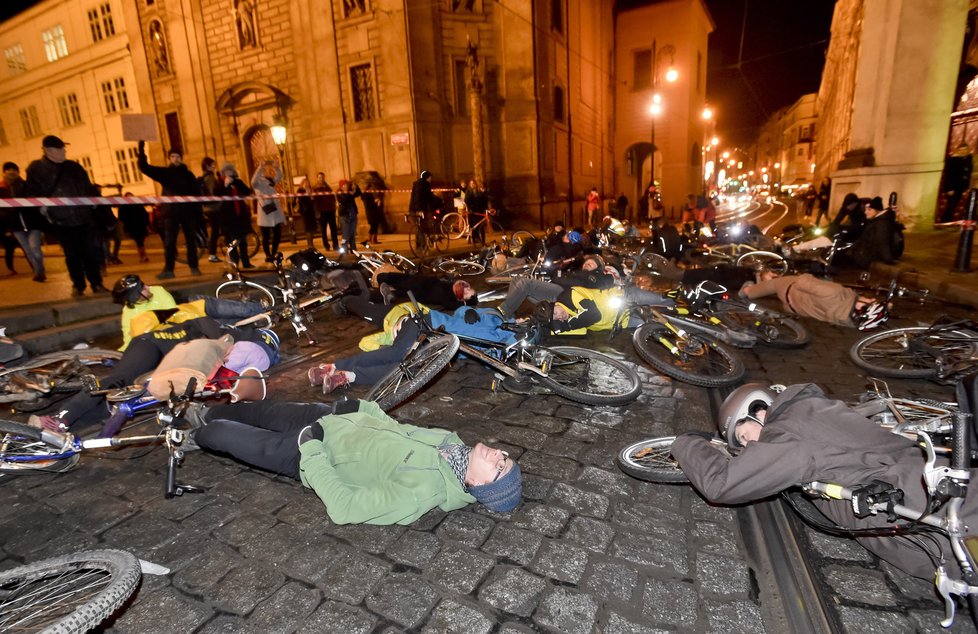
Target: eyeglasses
501,466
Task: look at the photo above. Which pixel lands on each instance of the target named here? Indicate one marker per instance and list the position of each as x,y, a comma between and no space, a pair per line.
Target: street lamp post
656,106
280,136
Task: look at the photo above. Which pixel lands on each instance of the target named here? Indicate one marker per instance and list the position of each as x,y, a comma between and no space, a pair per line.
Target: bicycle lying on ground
25,449
943,351
577,374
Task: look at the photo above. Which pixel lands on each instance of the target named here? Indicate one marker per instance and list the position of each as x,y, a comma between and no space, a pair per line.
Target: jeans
522,288
374,365
229,309
264,434
30,242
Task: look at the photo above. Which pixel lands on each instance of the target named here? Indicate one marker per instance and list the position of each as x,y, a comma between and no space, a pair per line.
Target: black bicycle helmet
127,290
425,174
744,402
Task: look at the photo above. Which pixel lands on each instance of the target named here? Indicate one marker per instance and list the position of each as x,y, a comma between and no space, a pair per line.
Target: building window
362,83
69,110
100,22
558,103
158,50
3,135
127,163
461,88
86,163
15,59
557,15
173,134
464,6
699,71
55,46
114,95
642,75
354,8
30,122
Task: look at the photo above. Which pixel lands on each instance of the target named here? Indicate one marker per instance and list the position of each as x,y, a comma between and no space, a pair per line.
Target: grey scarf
458,457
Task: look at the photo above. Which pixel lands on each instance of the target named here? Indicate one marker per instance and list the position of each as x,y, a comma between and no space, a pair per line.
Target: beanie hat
876,203
343,182
504,494
574,237
459,289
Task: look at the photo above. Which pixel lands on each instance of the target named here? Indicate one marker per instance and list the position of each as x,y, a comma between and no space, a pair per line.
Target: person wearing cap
55,175
781,440
365,466
176,180
346,210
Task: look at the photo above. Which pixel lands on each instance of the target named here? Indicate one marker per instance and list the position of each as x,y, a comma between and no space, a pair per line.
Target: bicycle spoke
43,602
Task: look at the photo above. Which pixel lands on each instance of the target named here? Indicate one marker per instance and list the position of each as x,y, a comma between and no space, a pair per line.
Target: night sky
783,53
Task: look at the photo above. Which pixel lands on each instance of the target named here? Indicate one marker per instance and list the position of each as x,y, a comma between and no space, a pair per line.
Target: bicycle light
615,302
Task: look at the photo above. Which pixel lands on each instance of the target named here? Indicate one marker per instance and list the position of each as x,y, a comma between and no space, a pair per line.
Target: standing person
824,193
810,197
957,179
212,210
423,201
346,205
55,175
621,206
593,205
135,221
477,200
306,210
29,224
655,209
325,205
235,214
375,215
853,211
177,180
270,215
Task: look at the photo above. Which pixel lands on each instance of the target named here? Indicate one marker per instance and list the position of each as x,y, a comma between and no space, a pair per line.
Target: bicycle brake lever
946,587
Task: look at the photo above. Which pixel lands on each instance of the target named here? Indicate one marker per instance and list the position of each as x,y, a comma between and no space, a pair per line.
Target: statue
246,22
161,60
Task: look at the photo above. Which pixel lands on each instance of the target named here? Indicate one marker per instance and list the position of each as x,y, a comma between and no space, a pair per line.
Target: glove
705,435
142,148
471,317
344,406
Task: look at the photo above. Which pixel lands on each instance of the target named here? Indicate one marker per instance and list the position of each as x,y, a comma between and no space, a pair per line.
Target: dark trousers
240,253
271,237
263,434
213,219
180,219
9,250
328,219
362,307
374,365
83,252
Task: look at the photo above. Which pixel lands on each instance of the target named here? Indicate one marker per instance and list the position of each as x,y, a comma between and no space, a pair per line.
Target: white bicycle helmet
744,402
869,316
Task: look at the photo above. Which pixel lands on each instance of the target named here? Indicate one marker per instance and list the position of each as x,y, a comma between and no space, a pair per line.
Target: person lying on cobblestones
427,289
385,350
827,301
365,466
801,435
593,274
146,308
142,356
578,309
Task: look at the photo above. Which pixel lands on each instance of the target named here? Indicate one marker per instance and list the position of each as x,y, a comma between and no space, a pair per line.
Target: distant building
69,73
797,148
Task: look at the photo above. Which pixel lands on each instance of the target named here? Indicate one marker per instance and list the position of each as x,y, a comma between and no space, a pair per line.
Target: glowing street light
672,75
707,114
726,155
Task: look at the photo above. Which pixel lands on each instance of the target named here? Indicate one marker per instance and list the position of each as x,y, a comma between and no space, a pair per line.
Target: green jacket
371,469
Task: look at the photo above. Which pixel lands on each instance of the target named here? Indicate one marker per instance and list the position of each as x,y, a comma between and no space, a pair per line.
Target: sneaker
99,289
165,275
213,258
318,374
195,272
50,423
249,265
387,292
340,379
40,278
77,292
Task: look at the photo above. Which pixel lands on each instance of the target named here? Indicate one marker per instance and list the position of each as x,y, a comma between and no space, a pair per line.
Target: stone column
475,113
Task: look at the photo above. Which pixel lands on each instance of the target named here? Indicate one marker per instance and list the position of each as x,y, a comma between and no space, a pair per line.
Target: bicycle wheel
692,359
418,242
766,259
518,238
489,232
439,241
67,594
252,243
900,352
774,330
87,356
651,460
414,372
243,291
454,225
461,267
24,449
590,377
397,260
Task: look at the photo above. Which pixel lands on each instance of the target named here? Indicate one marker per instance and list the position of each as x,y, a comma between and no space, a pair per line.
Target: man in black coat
52,176
177,180
423,200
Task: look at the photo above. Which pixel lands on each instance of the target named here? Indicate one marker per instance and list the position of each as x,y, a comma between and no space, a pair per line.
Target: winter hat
459,289
343,182
229,167
876,203
574,237
504,494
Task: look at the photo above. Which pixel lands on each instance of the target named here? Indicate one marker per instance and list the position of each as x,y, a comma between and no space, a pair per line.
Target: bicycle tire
23,450
68,594
461,267
252,243
565,378
771,329
397,260
414,372
418,243
766,259
887,353
696,360
488,232
651,460
86,356
244,291
439,241
454,225
519,238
